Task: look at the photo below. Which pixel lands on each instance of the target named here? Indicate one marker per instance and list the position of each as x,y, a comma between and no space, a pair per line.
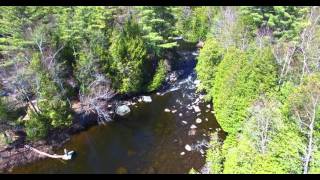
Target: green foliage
159,76
209,58
240,78
315,164
282,156
214,155
286,22
3,140
51,102
128,53
3,110
193,171
158,27
194,23
36,126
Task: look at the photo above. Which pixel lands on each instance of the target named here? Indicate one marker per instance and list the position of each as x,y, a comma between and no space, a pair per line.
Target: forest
259,68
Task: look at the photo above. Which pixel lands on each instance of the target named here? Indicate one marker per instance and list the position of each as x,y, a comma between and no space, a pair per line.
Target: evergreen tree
128,53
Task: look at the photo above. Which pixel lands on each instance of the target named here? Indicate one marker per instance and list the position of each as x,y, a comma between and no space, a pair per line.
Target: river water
147,140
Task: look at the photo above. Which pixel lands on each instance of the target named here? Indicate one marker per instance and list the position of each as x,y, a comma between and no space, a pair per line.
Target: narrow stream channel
147,140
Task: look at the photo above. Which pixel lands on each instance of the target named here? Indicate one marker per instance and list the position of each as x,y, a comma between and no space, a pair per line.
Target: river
147,140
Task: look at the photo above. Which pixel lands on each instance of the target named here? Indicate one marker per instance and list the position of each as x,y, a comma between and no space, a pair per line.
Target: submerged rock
193,126
196,108
173,77
146,99
122,110
201,151
198,120
196,82
188,147
192,132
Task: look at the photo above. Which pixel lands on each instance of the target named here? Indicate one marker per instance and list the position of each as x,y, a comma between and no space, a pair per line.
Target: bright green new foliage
284,21
209,58
52,104
128,53
240,78
159,76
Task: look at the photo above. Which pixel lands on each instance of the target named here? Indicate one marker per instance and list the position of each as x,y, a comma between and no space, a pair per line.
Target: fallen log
67,155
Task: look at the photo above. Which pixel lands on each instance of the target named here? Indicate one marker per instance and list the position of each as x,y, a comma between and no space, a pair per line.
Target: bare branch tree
97,98
305,105
300,59
309,46
263,122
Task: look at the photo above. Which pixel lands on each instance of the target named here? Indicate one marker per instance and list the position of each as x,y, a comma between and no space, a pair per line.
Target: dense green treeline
259,67
65,53
264,90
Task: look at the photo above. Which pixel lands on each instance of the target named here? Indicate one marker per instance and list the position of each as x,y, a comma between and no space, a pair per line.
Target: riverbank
17,155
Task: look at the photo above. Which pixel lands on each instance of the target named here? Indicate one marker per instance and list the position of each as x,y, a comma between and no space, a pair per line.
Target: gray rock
188,147
122,110
192,132
146,99
196,108
198,120
193,126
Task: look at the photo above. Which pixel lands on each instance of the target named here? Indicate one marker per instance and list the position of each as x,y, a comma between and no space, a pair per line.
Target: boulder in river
174,111
166,110
197,82
146,99
192,132
208,106
122,110
184,122
193,126
180,114
182,153
196,108
173,77
188,147
198,120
